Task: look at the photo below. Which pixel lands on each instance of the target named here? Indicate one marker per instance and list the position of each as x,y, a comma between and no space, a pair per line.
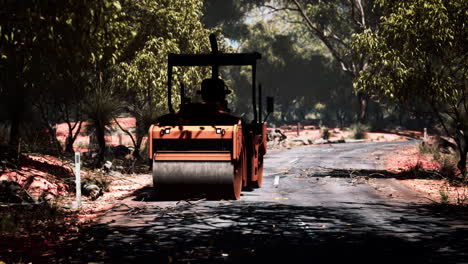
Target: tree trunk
100,133
141,131
69,144
136,152
363,100
53,139
462,163
71,138
14,131
15,97
463,150
137,143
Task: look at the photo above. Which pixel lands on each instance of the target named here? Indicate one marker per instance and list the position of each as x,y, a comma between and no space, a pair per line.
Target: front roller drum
219,178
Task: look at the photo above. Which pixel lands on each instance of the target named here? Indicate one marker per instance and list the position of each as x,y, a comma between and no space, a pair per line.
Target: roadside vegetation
431,169
359,131
418,56
86,64
346,68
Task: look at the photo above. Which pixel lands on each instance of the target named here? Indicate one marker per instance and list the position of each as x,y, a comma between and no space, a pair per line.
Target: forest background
328,63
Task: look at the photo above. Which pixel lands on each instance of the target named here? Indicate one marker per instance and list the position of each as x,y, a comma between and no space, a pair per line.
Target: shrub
41,217
99,179
416,170
359,131
448,168
444,197
448,161
325,133
426,148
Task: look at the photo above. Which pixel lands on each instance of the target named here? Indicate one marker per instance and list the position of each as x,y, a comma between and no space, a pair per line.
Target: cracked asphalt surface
332,204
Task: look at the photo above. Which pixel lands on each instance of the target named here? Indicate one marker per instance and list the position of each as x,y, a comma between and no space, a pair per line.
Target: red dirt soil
118,137
43,175
407,158
313,133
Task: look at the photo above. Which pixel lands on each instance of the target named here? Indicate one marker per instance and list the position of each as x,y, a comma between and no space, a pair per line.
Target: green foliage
52,57
446,159
359,131
296,72
448,168
426,148
99,179
141,74
419,52
325,133
333,23
47,55
101,107
416,171
32,218
230,15
444,196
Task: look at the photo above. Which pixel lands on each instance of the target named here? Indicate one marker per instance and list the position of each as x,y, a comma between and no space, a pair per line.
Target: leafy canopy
419,51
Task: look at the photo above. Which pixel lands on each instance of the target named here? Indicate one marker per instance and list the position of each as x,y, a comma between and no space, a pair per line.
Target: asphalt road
319,204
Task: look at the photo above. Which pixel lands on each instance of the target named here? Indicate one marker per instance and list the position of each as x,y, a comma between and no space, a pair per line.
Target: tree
334,22
419,53
295,72
47,55
141,74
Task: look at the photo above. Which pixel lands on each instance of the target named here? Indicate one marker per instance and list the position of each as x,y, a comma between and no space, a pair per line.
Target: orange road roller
202,146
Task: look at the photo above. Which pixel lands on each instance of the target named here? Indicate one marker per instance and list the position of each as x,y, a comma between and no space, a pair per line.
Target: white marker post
77,180
276,182
425,134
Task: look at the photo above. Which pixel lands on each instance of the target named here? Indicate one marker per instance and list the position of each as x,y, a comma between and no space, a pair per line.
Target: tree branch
324,39
353,14
361,10
126,132
276,9
77,131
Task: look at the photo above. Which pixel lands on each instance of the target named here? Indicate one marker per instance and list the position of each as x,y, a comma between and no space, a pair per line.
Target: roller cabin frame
202,145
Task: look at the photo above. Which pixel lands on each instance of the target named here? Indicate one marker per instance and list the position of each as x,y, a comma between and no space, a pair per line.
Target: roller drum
192,173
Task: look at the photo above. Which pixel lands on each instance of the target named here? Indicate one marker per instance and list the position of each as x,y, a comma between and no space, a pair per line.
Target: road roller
202,146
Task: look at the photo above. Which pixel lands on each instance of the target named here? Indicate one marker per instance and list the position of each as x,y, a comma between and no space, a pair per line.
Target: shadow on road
376,174
242,232
180,193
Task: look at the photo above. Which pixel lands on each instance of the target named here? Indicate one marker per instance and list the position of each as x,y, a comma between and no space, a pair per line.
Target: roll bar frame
214,59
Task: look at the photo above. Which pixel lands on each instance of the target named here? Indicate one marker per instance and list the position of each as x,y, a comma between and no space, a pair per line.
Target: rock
116,174
120,151
107,166
320,141
276,135
129,157
302,140
92,190
298,142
